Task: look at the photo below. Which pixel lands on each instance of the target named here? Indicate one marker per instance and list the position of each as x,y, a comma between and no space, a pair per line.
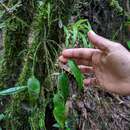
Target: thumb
100,42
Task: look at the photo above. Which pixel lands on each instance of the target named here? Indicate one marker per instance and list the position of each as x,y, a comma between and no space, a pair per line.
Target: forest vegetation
36,91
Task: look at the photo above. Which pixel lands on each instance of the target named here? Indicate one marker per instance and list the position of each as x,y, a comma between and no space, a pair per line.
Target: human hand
110,62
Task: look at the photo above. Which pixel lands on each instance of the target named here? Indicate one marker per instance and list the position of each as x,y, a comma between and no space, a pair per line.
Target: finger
100,42
83,62
78,61
77,53
63,59
86,69
91,81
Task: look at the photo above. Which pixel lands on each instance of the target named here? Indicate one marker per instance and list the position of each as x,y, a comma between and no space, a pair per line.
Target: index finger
77,53
100,42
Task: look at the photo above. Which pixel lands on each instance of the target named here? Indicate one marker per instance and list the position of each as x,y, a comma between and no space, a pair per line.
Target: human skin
110,62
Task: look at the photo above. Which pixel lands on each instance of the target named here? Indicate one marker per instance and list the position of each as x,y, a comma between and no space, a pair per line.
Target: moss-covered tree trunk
33,36
17,17
16,33
40,49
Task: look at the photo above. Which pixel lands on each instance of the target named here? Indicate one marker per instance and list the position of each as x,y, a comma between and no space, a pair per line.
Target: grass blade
84,40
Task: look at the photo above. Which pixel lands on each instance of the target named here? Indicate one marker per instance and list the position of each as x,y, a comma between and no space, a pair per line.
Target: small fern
76,33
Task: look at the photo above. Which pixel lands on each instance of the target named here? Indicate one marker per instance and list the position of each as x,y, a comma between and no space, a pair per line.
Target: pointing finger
78,61
77,53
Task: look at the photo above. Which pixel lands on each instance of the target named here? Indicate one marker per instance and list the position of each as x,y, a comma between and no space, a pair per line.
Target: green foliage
59,114
13,90
76,33
115,4
15,18
8,13
2,116
128,44
59,100
59,110
43,39
63,85
37,119
128,22
33,85
34,47
76,72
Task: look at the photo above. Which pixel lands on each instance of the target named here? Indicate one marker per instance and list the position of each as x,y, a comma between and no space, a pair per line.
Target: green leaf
58,100
128,44
75,34
13,90
68,129
89,26
56,125
33,85
77,73
33,88
59,114
84,40
59,109
79,22
1,13
63,85
2,25
2,116
67,37
74,30
90,45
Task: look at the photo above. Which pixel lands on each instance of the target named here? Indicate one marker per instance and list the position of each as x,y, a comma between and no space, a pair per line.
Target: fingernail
91,32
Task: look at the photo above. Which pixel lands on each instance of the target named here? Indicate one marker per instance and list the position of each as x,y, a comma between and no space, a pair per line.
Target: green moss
116,6
16,34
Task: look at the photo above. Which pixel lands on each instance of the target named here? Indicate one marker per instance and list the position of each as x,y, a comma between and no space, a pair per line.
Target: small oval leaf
33,89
